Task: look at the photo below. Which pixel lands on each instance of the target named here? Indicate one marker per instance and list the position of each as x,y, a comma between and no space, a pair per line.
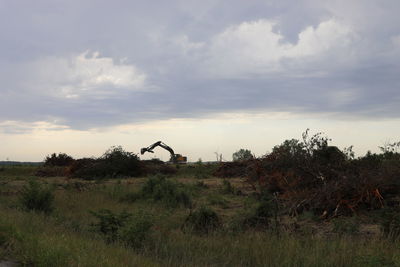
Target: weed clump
390,223
110,224
37,198
202,221
260,217
159,189
130,229
227,187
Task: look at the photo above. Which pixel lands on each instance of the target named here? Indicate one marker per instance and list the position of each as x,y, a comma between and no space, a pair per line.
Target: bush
227,187
133,230
217,199
114,163
172,194
110,224
260,217
202,221
201,170
159,189
390,223
36,197
61,159
242,155
137,231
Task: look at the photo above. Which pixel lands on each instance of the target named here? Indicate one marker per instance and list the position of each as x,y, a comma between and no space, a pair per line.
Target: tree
242,154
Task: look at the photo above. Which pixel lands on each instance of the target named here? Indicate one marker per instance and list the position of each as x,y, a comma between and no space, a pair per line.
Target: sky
205,77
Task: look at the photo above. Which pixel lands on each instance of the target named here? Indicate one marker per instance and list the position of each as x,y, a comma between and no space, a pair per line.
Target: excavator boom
175,158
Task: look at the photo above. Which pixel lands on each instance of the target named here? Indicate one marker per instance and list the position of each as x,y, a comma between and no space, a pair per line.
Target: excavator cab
175,158
178,158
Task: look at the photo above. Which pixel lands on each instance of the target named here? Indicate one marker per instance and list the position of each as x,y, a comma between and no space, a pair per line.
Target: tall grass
65,237
41,241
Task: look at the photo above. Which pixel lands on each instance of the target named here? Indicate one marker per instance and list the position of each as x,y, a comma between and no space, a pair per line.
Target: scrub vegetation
304,204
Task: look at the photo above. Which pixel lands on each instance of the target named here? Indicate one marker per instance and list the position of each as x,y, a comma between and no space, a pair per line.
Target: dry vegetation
304,204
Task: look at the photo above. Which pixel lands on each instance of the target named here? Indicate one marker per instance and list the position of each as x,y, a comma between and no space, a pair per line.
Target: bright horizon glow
198,138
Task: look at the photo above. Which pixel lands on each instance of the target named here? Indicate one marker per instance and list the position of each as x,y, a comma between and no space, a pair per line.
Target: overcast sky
202,76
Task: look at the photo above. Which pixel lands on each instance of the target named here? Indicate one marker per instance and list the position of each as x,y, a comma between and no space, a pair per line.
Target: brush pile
310,175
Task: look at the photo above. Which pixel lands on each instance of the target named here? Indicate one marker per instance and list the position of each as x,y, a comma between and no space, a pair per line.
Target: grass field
157,231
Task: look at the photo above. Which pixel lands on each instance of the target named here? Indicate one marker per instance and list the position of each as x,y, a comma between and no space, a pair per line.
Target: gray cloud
177,59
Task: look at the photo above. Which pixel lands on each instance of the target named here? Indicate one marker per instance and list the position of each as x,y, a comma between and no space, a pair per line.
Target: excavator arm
176,158
156,144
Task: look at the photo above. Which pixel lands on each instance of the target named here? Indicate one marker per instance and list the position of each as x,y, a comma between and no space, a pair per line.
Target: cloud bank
93,64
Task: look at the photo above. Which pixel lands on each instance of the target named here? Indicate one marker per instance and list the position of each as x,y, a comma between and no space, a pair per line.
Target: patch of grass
131,229
197,170
348,226
172,194
137,233
390,223
155,237
218,200
18,171
36,197
227,187
201,184
110,224
51,171
259,217
374,260
202,220
36,240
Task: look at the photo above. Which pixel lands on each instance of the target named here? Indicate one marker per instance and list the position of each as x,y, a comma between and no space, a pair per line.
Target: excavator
175,158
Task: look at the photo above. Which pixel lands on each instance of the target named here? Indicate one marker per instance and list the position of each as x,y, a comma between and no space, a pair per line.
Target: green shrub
172,194
200,170
134,230
227,187
36,197
137,231
61,159
115,162
7,235
390,223
202,221
260,217
216,199
242,155
110,224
